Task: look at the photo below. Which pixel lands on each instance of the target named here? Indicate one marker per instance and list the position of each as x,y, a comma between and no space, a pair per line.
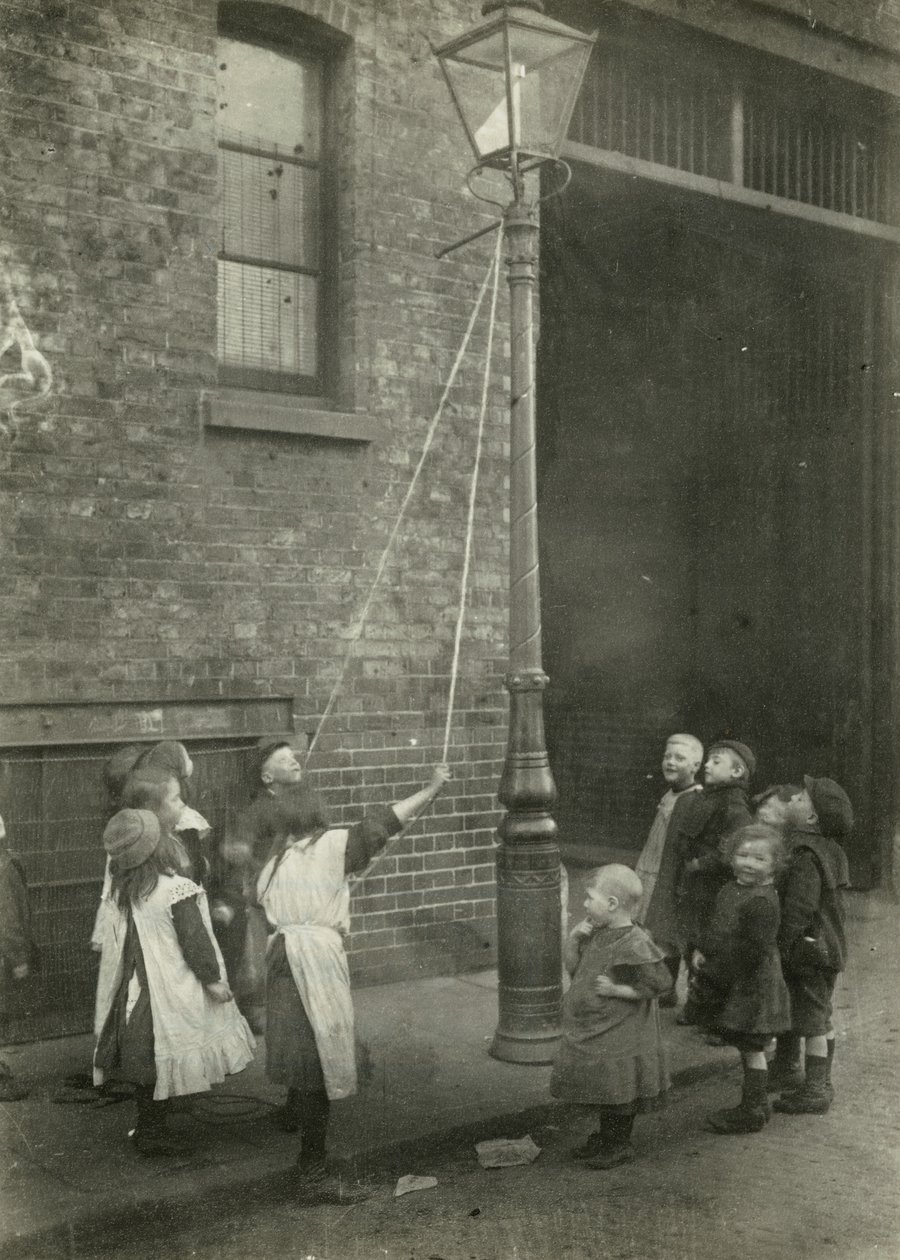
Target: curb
112,1228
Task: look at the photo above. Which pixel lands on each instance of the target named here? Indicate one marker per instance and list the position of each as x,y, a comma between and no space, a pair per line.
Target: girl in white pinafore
165,1019
303,889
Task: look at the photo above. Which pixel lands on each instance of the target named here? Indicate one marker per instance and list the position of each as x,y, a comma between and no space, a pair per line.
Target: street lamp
514,80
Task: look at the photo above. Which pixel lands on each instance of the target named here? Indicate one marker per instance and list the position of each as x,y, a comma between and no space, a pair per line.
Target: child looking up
738,990
721,810
17,953
811,938
164,1017
659,866
191,827
612,1057
303,889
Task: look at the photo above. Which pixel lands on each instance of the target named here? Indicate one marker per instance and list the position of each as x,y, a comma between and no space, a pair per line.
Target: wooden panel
86,723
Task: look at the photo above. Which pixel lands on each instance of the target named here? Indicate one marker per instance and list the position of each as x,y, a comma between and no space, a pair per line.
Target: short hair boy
659,866
811,937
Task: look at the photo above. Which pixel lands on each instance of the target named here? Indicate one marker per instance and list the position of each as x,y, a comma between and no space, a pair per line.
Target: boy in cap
239,930
721,809
811,938
659,866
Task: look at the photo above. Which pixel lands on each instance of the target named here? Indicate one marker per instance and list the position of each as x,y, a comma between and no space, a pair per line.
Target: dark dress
125,1048
292,1057
741,992
612,1054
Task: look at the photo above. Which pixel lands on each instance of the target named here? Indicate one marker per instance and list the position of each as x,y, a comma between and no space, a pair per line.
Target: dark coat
612,1052
812,905
740,986
706,823
662,920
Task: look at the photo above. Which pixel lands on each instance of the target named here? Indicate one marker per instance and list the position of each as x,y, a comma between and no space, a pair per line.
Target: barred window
274,267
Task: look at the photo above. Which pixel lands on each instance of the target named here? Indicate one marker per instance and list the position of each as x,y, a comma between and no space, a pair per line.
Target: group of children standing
749,901
749,896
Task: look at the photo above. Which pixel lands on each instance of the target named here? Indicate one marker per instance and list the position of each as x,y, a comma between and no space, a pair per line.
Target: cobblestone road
812,1186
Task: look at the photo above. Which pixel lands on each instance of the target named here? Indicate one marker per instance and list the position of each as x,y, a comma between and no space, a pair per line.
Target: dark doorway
705,462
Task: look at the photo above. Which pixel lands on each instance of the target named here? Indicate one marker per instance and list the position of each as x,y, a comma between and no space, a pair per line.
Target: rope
432,428
473,490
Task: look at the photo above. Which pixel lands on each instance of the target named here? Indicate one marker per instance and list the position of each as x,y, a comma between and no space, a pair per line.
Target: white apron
196,1042
307,900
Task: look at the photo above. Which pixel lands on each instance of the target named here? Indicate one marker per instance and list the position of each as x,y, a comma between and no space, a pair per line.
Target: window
275,258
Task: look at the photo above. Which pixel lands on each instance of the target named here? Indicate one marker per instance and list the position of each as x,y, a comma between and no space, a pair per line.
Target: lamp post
514,80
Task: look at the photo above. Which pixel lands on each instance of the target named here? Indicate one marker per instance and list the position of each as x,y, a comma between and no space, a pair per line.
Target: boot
590,1148
752,1112
615,1138
786,1070
151,1135
288,1117
813,1098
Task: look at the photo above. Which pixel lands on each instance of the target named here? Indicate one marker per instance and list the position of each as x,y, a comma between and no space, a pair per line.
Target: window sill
274,413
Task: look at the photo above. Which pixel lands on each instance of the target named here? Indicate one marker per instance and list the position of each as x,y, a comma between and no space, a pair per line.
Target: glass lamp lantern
514,79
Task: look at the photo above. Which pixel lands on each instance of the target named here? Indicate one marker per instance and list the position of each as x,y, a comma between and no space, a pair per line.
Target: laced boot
752,1112
615,1148
813,1098
786,1069
314,1183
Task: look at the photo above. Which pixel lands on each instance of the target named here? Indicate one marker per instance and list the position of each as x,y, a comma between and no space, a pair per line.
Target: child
612,1056
17,953
134,783
192,828
659,866
310,1044
811,938
164,1017
721,810
738,989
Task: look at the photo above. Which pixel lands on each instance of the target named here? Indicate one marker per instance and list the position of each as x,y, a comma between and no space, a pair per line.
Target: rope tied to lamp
356,633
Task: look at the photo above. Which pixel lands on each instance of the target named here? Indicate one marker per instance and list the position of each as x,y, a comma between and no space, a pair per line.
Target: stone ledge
267,413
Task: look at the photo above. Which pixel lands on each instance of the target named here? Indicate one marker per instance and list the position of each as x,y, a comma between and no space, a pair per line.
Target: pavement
69,1169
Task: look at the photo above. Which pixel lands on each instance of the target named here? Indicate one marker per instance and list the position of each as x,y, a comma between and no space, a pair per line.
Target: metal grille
837,163
53,804
634,108
766,132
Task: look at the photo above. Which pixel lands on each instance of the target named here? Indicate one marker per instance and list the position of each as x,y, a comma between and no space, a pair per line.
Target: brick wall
148,557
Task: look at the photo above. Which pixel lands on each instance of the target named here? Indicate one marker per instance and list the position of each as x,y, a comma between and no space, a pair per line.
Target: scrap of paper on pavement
507,1152
411,1182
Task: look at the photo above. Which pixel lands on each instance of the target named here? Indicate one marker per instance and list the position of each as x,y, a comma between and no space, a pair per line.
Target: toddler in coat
738,990
612,1057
